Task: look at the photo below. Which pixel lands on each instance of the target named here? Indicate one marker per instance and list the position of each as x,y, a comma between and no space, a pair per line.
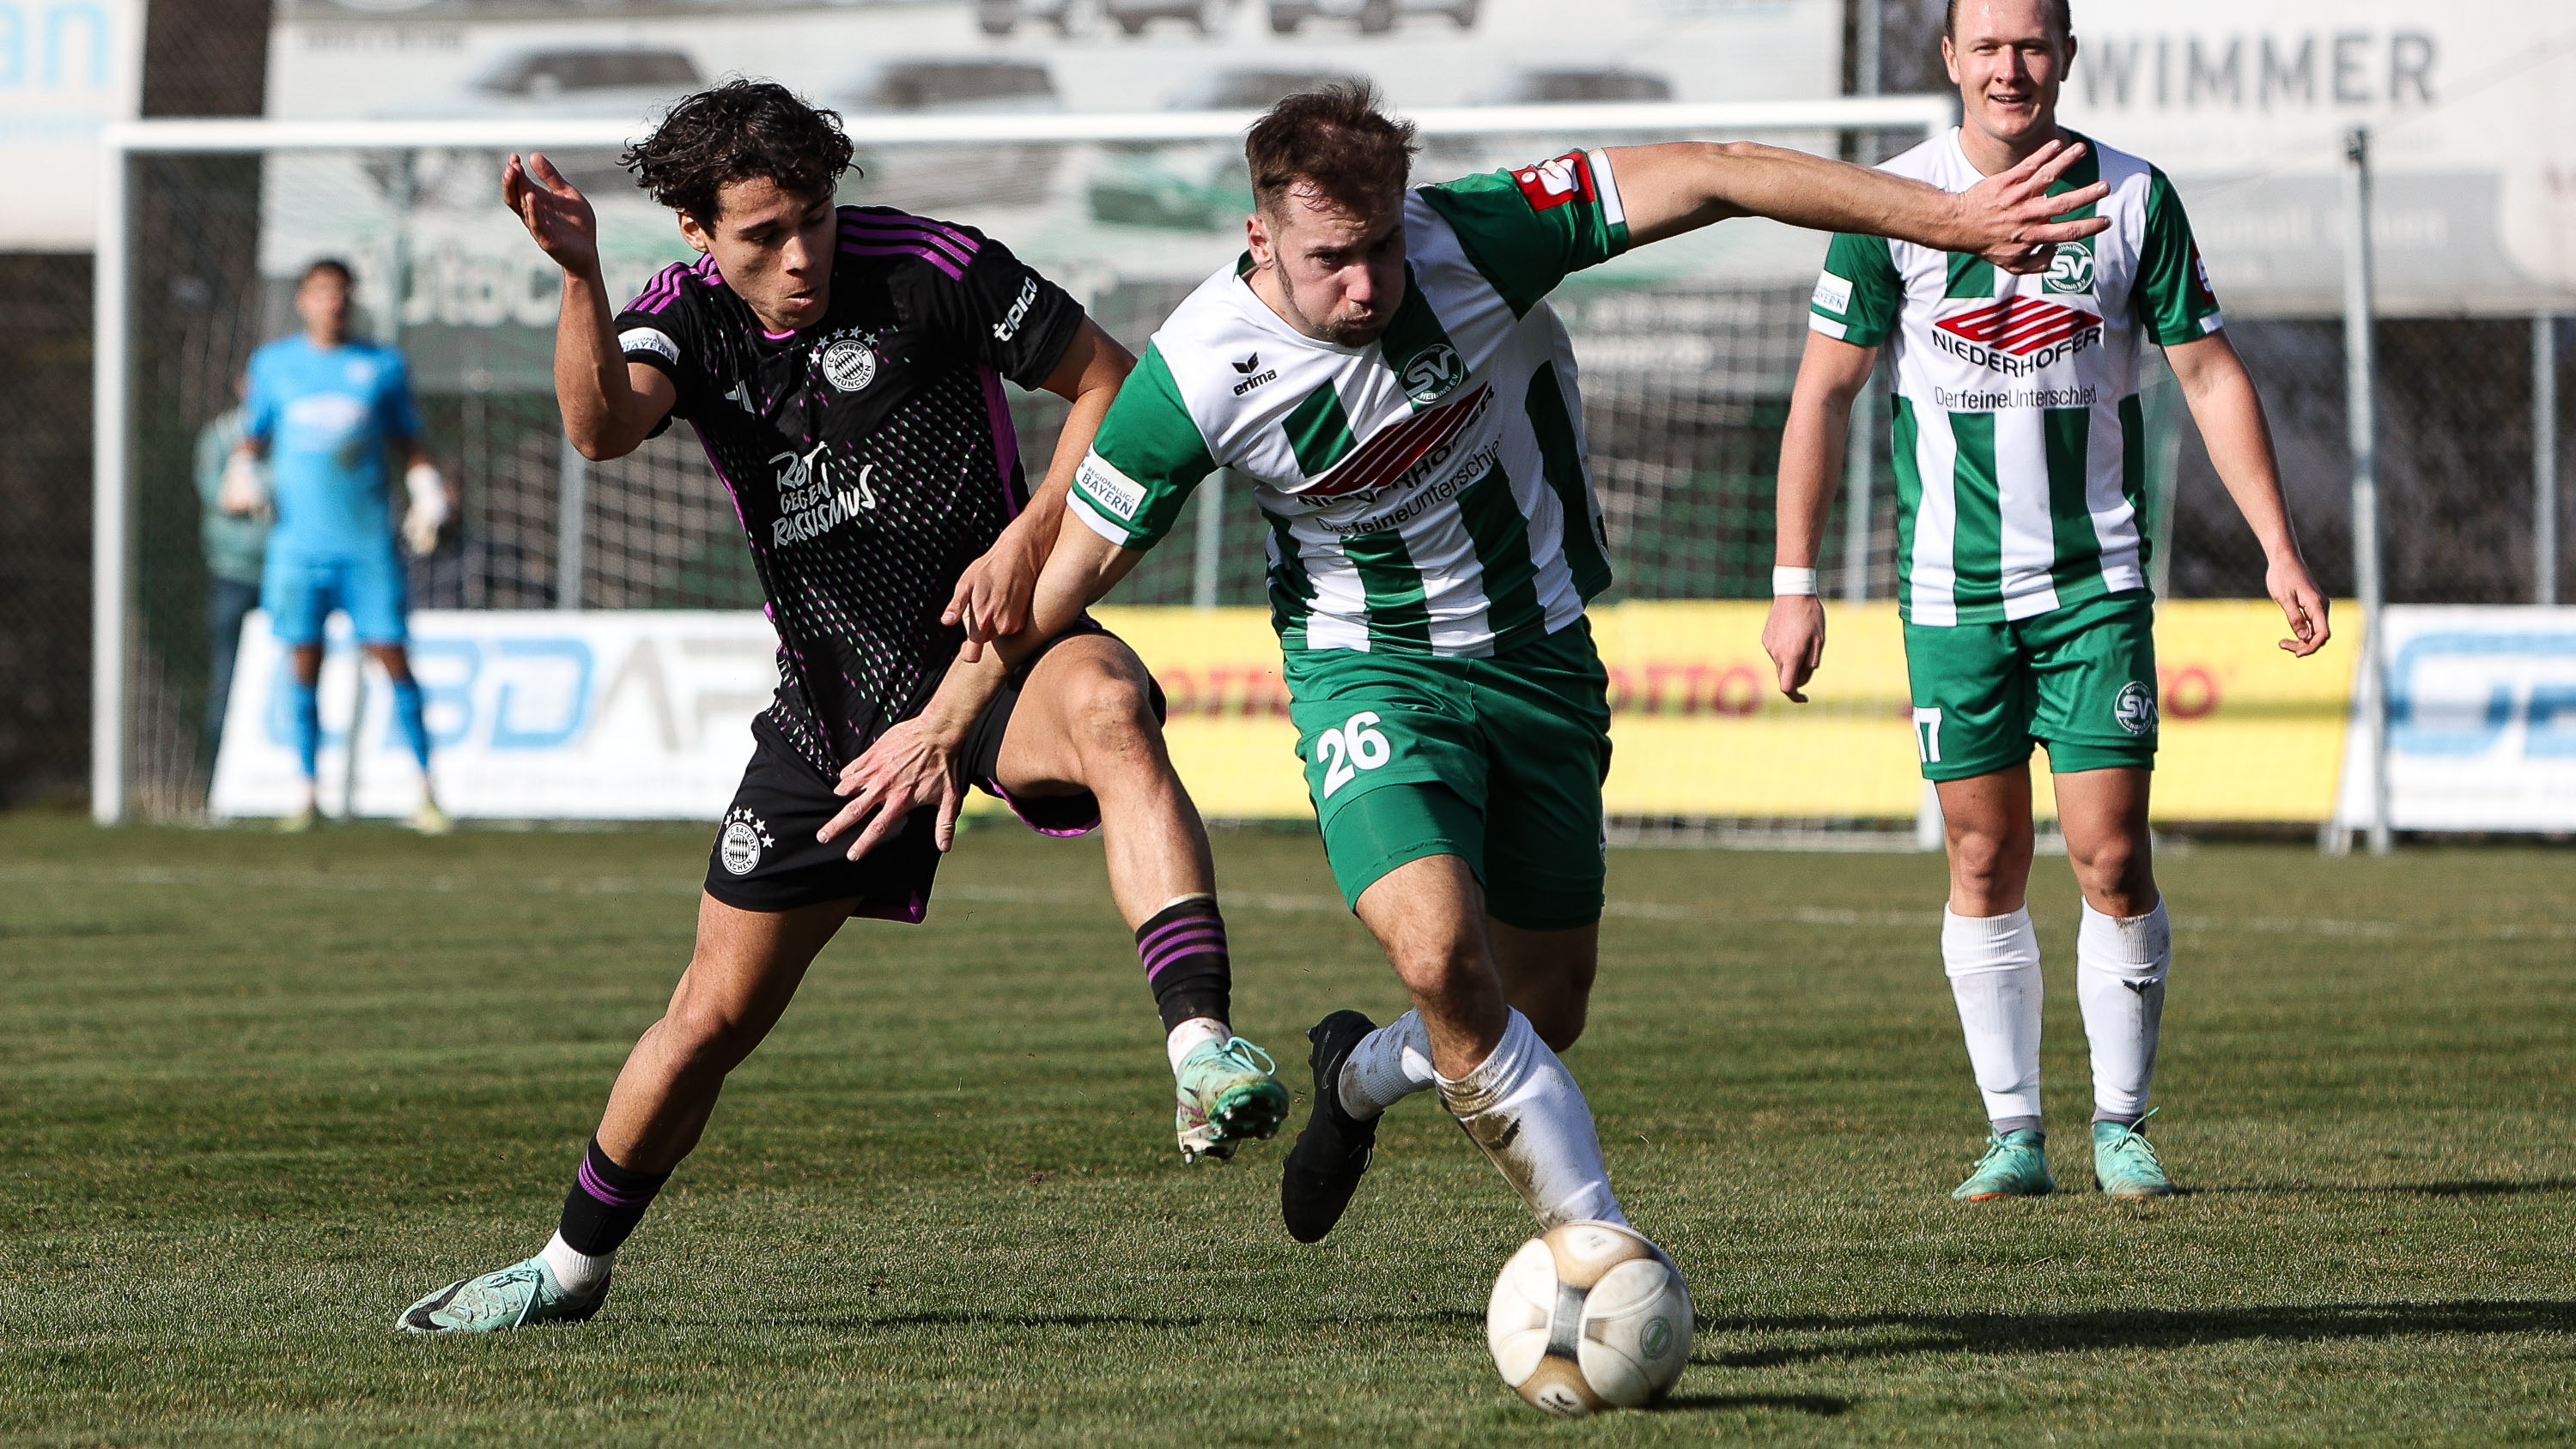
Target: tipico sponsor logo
1009,326
2017,336
740,843
2135,709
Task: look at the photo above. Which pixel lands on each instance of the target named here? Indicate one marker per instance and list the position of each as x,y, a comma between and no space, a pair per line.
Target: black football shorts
766,858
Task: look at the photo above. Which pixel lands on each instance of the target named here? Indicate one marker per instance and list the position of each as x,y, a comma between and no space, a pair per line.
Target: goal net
1687,352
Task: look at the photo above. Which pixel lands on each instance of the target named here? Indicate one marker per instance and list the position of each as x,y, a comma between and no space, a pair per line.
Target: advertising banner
67,67
532,715
2481,721
643,715
2472,108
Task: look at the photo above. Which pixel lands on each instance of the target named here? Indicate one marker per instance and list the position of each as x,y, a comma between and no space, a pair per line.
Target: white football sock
1186,1037
2120,964
1993,963
579,1273
1389,1065
1521,1105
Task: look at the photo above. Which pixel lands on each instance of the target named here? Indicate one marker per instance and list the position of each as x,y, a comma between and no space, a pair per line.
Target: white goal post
120,146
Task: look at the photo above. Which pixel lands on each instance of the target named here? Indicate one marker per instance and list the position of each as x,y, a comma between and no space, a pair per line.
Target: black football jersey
870,456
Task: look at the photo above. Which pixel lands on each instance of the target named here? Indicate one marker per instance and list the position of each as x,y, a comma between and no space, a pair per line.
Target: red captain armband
1554,183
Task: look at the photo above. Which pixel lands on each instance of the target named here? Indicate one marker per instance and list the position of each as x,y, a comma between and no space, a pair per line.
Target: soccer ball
1589,1316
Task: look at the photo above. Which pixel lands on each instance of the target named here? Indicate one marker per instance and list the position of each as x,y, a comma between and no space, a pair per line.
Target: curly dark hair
1336,139
742,130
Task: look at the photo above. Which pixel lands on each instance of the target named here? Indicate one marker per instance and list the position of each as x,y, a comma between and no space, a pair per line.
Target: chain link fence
1686,386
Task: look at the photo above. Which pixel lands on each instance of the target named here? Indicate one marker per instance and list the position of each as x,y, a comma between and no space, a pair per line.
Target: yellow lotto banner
2249,734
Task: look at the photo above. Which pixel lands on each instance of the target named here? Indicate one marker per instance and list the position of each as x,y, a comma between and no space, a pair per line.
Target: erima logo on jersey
1554,183
649,339
2017,336
1252,379
1108,490
1009,326
1832,293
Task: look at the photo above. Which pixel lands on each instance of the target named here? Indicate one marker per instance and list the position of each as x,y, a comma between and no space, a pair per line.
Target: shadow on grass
2463,1187
1823,1406
861,1321
2139,1328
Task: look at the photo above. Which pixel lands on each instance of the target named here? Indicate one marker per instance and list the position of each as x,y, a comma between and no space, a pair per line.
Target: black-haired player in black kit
843,367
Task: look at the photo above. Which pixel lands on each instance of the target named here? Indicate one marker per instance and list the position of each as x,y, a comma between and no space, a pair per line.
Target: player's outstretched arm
2229,414
1830,375
992,596
2006,218
609,405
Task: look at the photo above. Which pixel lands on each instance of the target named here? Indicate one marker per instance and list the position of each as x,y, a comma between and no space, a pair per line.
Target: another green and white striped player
2021,563
1383,366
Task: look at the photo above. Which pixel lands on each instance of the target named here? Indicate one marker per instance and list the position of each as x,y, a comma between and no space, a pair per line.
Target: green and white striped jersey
1425,494
2020,452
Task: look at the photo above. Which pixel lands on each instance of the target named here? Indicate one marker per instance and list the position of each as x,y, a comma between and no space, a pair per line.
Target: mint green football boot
511,1297
2015,1165
1226,1091
2125,1163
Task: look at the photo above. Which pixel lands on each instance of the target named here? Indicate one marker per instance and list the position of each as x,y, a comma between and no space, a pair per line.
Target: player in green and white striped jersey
2021,563
1383,366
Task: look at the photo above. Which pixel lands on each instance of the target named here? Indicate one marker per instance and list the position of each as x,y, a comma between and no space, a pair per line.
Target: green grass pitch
260,1092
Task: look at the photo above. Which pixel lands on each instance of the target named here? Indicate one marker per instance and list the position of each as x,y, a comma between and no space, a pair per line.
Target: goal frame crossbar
119,144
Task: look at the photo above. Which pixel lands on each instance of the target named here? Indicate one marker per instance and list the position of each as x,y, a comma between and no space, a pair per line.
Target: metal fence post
2544,459
2362,426
572,504
1210,542
1859,458
111,530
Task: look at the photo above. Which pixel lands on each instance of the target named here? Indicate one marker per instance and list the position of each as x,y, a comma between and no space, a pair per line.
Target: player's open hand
554,211
909,766
2009,218
1794,637
2302,603
992,597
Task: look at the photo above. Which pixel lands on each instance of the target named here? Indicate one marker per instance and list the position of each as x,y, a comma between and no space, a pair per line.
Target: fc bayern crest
741,841
849,363
2136,708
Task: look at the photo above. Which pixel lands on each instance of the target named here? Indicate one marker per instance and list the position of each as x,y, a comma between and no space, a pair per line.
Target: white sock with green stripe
1522,1106
1993,964
2120,964
1389,1065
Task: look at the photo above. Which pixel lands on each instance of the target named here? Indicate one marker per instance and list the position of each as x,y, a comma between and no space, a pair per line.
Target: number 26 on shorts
1353,746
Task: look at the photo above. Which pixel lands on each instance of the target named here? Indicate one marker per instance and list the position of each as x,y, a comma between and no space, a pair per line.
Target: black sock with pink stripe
606,1202
1183,948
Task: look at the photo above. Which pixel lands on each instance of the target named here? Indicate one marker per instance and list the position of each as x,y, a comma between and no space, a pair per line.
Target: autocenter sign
2472,106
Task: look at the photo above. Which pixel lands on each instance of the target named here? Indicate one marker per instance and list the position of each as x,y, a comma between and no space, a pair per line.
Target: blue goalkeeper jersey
330,419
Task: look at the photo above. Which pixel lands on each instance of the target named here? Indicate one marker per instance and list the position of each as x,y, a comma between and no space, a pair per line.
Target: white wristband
1785,582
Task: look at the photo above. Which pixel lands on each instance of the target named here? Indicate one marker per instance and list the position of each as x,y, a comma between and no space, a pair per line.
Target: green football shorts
1498,761
2080,679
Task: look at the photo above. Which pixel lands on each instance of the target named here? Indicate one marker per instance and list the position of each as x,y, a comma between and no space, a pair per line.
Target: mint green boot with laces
1225,1092
2125,1163
2015,1165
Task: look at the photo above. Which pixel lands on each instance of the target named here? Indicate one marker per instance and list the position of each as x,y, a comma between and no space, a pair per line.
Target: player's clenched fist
554,211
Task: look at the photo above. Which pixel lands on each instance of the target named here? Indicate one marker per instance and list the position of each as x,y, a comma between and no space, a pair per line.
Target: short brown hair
742,130
1335,139
334,265
2060,11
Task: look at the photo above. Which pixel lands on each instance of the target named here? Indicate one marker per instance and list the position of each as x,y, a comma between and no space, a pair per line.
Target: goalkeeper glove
428,510
243,490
